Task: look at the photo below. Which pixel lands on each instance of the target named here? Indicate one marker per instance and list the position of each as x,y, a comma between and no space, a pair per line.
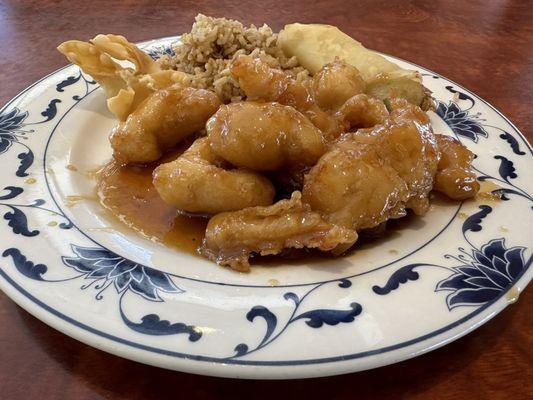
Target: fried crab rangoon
161,121
196,182
232,237
104,56
264,136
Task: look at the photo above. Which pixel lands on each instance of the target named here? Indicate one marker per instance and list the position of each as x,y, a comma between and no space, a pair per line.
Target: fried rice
213,43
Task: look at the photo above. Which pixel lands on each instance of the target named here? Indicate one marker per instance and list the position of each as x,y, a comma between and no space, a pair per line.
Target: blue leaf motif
492,278
26,160
241,349
144,289
271,323
94,253
151,324
345,283
78,265
120,268
317,318
137,275
5,142
122,282
37,202
457,279
14,191
314,319
25,267
462,96
51,110
514,262
292,297
18,222
71,80
402,275
506,170
160,280
66,225
268,316
473,223
502,192
471,297
512,142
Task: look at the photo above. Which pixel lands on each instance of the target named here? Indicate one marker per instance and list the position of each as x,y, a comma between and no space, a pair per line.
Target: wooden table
487,47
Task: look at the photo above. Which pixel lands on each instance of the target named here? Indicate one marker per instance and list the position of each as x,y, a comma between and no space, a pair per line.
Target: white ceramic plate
434,280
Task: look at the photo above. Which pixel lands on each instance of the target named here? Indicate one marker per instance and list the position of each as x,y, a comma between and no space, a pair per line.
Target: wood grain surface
485,46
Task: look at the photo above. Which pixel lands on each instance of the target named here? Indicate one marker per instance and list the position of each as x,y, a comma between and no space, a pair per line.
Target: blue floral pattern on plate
106,267
460,121
160,51
491,271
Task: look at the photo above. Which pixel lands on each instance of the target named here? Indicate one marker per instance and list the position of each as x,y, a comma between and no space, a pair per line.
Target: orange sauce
128,193
485,192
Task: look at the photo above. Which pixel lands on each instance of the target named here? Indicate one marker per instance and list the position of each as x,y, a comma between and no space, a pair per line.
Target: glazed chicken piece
264,136
352,187
361,111
196,182
162,120
411,149
455,177
375,174
232,237
335,83
261,82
